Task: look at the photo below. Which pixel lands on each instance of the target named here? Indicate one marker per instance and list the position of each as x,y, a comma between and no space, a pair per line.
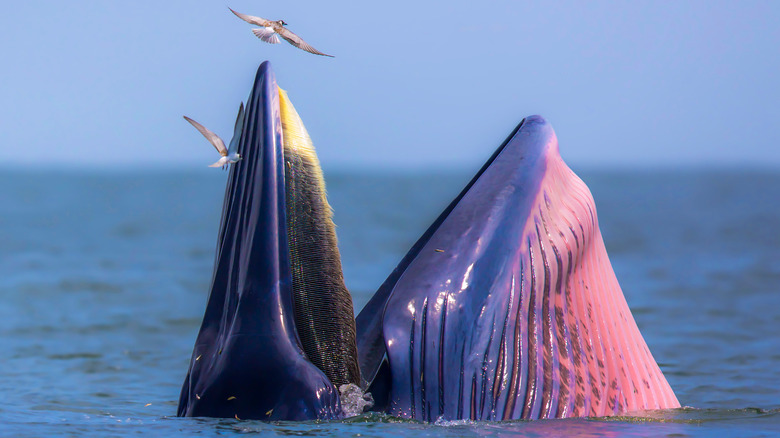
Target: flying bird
229,155
269,30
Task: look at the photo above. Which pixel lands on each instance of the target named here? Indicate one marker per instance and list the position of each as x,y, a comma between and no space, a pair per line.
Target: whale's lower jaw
508,307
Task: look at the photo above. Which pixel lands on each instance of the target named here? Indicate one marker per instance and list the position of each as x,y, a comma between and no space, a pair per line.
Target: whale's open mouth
507,306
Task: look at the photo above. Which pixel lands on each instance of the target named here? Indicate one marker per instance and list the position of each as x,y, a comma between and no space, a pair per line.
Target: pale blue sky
413,84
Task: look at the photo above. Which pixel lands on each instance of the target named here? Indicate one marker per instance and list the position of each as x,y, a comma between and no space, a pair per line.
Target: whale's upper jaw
508,307
248,361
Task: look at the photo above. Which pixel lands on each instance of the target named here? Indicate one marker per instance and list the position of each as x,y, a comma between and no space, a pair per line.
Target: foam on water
353,400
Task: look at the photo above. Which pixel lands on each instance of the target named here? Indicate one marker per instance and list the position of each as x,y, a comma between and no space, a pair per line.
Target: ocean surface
104,278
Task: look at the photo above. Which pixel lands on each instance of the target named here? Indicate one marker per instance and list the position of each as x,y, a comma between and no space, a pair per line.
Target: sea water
104,278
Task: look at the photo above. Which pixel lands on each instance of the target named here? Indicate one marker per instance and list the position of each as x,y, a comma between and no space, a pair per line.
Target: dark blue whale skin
370,320
248,362
475,237
520,166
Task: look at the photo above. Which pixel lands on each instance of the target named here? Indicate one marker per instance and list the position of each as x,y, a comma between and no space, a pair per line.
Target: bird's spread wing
266,34
298,42
237,130
251,19
210,136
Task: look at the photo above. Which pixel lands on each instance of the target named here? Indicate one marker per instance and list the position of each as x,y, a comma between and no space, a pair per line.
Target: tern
269,30
229,155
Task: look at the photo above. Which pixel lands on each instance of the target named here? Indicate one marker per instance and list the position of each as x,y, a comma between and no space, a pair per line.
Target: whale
505,308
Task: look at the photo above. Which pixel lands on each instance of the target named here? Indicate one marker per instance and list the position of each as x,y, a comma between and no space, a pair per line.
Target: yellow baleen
322,304
298,148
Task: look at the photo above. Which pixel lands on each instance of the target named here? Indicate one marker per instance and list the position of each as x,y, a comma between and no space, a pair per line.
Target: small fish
269,30
268,414
231,398
229,155
148,404
237,418
198,358
197,396
439,250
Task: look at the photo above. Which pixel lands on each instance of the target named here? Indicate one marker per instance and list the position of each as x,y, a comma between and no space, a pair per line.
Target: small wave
689,415
69,356
86,285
